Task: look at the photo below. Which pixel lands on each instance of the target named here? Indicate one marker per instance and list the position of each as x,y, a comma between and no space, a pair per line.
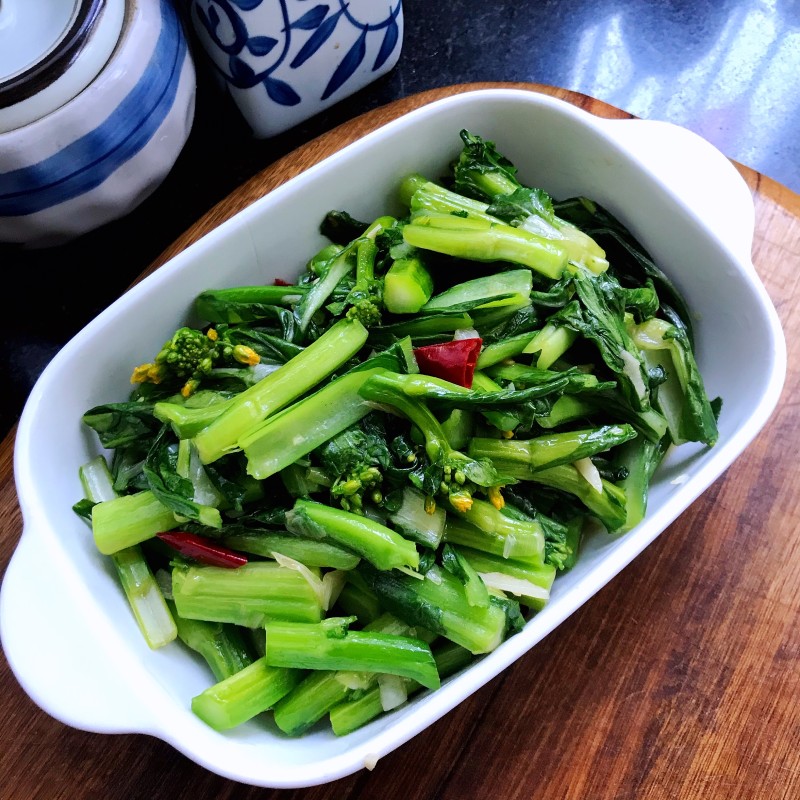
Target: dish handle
698,174
81,685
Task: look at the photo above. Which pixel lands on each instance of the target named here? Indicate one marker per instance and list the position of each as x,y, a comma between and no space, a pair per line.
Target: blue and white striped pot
100,154
282,61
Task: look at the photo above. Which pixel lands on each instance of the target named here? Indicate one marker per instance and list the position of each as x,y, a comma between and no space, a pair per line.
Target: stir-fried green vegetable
341,491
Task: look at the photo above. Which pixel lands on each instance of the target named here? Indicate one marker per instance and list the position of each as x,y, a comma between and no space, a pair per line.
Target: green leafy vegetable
397,455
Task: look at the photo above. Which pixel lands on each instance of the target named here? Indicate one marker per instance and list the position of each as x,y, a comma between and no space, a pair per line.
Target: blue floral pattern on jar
272,44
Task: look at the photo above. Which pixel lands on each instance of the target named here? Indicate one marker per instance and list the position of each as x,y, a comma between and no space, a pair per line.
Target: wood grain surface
679,679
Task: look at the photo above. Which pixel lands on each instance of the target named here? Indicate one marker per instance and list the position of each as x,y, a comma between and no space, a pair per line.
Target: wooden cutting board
679,679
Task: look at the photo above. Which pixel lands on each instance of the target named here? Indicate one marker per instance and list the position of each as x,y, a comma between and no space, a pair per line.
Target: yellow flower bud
140,373
461,502
190,387
246,355
495,498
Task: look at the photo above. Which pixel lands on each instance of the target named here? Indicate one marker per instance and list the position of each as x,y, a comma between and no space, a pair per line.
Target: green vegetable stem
338,491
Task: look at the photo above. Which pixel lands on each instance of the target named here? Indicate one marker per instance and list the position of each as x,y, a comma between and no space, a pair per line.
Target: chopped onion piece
393,691
466,333
205,493
434,576
263,369
314,581
355,680
370,761
516,586
590,473
632,369
411,573
332,585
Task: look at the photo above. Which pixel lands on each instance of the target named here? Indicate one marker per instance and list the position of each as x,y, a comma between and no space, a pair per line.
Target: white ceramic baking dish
60,602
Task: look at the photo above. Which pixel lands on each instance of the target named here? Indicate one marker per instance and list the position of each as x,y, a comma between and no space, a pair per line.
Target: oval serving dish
683,200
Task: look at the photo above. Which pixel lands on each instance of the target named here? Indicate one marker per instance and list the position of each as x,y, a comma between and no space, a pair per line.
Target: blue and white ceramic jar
285,60
93,117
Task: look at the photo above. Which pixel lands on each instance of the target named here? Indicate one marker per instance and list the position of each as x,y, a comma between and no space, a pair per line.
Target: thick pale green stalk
187,422
145,597
506,348
223,646
379,545
350,715
309,701
249,595
97,480
528,583
493,522
353,714
420,194
407,286
509,288
320,691
306,425
328,645
439,604
275,391
499,242
520,545
551,342
607,506
245,694
552,449
416,522
128,520
311,552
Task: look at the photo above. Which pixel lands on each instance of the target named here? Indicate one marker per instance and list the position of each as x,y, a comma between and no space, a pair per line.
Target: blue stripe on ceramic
77,168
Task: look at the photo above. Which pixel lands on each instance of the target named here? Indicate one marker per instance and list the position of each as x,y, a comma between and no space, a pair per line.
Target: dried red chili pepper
202,549
452,361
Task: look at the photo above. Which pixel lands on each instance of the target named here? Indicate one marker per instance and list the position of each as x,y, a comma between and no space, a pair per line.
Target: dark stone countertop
729,71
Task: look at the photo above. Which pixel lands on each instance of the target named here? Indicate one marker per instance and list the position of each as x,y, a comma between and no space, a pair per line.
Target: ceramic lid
50,51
